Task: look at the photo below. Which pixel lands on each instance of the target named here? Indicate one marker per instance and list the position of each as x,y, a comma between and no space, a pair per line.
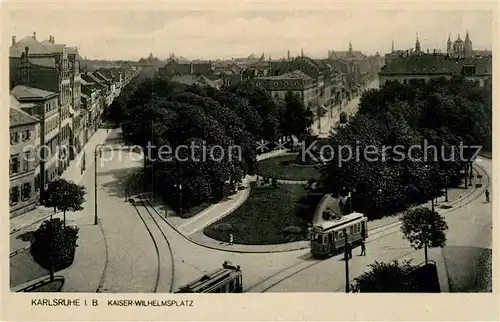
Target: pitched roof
34,47
18,117
346,54
435,64
296,74
22,92
193,79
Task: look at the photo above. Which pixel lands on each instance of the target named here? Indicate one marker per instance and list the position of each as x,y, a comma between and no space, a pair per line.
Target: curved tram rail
159,239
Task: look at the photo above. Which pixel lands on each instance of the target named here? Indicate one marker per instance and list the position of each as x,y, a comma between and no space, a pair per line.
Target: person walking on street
230,239
363,249
487,194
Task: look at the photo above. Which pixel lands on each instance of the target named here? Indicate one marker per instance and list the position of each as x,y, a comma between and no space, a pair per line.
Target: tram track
376,234
160,240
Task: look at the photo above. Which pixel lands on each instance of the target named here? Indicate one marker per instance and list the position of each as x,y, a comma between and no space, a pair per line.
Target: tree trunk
425,252
64,218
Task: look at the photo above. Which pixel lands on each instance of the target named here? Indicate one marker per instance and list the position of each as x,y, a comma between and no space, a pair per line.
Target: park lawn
264,215
285,168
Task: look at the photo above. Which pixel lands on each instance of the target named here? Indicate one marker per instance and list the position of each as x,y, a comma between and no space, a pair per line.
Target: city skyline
130,35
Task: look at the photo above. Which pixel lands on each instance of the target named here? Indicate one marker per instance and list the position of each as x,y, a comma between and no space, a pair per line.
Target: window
14,138
336,235
296,83
14,164
275,84
26,192
14,195
37,182
26,161
351,230
26,135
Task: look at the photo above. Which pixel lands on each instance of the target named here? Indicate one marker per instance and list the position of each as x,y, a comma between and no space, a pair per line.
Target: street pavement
328,121
470,226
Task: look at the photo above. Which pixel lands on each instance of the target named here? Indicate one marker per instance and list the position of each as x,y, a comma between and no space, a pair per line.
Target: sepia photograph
255,151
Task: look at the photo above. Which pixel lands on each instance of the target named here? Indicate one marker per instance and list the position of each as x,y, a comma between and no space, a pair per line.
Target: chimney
34,35
13,40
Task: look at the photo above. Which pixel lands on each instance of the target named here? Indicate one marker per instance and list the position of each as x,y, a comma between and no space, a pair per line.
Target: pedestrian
230,239
487,194
363,249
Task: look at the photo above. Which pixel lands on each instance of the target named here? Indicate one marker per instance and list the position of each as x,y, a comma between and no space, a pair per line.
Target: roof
193,79
435,64
34,47
324,225
346,54
22,92
19,118
297,74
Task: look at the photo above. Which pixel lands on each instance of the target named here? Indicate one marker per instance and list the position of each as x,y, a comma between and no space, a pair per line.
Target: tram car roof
327,225
211,278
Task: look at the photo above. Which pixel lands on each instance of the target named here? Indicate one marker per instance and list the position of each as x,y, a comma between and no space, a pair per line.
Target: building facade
24,169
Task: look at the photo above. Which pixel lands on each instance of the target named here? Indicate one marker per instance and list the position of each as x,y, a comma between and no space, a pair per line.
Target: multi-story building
43,105
24,170
46,66
409,69
92,102
297,83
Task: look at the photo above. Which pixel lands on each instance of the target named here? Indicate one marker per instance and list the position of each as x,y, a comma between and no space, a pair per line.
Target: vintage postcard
305,150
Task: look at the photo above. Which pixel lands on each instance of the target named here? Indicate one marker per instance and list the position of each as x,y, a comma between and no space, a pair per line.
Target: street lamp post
96,150
346,260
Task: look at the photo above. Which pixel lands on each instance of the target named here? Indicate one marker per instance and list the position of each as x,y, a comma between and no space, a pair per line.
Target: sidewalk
72,173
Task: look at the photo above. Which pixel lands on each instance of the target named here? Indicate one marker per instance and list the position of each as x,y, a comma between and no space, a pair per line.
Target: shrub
222,227
343,117
53,246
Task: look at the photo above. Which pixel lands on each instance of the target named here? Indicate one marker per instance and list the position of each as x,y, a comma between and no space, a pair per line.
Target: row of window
23,192
22,136
339,234
51,124
16,163
50,105
65,132
65,113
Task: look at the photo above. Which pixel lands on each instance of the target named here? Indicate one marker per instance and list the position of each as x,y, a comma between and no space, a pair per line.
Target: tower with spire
301,52
417,45
392,48
467,46
350,48
449,48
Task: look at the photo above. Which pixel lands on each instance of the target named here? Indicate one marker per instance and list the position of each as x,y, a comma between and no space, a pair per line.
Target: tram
327,238
228,279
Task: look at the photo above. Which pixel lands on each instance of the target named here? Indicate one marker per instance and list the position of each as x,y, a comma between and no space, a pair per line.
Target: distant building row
55,109
320,83
417,66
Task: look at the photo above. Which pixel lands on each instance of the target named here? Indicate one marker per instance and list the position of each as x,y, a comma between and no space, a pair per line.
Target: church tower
350,48
468,46
449,48
417,45
392,48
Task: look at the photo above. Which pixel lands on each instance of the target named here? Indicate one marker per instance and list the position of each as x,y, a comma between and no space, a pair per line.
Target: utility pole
96,150
346,259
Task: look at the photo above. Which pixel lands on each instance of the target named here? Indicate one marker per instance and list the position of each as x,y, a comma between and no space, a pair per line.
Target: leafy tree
295,119
343,117
424,228
53,245
385,277
65,196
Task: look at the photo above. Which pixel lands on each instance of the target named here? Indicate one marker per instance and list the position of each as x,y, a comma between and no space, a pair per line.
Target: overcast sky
210,35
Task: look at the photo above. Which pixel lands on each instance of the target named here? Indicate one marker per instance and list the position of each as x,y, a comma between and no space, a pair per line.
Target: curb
14,253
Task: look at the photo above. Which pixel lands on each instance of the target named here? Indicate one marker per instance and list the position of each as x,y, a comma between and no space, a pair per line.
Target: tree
65,196
53,245
424,228
385,277
295,118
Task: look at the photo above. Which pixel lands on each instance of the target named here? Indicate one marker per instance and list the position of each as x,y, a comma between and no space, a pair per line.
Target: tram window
336,235
351,229
231,286
341,234
324,239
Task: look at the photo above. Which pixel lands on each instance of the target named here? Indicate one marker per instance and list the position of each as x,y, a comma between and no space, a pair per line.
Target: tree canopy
210,133
64,195
402,146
